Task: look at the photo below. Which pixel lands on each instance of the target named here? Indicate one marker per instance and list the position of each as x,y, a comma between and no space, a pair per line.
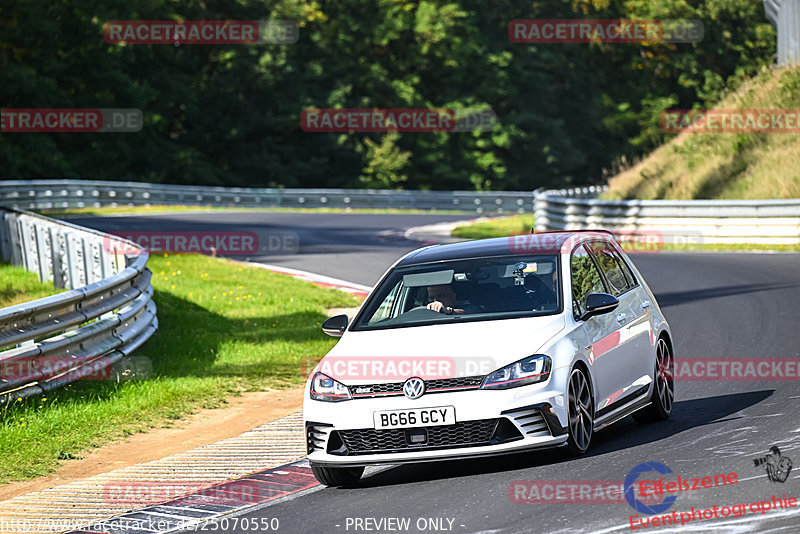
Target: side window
585,279
609,264
387,308
626,270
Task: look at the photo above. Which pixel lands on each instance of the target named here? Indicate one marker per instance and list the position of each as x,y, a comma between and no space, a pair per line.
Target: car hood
437,351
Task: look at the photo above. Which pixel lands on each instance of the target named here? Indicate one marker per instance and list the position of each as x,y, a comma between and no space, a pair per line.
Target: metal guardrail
105,314
772,222
710,221
784,15
48,194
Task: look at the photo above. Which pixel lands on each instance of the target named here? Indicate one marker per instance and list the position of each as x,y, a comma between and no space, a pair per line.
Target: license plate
440,415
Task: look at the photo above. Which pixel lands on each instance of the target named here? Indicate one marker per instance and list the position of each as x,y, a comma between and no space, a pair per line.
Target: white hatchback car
488,347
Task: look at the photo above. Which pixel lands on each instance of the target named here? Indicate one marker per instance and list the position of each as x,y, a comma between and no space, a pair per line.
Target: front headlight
530,370
325,388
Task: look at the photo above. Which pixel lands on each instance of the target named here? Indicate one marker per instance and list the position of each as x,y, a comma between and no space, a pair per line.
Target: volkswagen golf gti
489,347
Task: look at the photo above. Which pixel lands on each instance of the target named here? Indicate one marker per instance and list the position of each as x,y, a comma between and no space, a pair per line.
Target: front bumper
488,422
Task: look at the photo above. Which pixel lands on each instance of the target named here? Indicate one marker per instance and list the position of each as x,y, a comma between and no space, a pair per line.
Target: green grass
18,285
499,227
521,224
224,329
156,209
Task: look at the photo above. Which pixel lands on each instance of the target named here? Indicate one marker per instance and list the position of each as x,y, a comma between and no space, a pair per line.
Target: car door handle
645,304
622,317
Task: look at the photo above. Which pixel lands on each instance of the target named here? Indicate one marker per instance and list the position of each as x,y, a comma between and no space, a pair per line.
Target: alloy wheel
581,418
664,376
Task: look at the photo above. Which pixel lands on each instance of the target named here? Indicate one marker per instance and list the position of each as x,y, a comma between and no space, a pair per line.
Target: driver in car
442,299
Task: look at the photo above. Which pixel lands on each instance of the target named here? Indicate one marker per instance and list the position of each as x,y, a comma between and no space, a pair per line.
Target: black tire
663,397
337,476
580,411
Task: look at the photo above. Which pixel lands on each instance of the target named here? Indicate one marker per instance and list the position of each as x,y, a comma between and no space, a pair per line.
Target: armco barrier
105,314
45,194
773,222
681,221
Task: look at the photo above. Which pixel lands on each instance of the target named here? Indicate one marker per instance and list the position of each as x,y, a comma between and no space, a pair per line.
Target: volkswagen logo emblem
413,388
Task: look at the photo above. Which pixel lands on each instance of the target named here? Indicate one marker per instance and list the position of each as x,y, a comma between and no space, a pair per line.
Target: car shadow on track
626,434
667,299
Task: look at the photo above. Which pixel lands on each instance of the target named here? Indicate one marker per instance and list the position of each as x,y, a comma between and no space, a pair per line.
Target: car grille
447,384
463,434
392,389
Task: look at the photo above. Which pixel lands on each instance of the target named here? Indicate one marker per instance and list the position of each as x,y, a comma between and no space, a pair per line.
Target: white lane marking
312,277
369,471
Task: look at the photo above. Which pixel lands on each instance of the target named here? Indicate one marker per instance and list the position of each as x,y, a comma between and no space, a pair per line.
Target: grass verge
224,328
499,227
725,165
18,285
158,209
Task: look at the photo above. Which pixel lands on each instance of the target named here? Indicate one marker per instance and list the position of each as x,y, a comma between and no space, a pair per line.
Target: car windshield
464,290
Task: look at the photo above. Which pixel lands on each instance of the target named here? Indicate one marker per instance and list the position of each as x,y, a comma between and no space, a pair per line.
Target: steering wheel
537,288
420,312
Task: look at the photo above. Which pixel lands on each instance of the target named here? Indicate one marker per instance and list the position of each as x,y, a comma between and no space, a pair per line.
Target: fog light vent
417,436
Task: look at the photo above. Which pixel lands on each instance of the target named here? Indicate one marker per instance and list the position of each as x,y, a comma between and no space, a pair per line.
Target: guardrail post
59,277
5,237
26,238
106,261
14,239
71,258
88,260
41,253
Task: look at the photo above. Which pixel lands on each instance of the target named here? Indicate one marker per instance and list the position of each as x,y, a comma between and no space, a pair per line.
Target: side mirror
598,304
336,325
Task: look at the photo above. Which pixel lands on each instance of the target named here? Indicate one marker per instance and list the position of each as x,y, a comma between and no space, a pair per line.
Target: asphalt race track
720,305
353,247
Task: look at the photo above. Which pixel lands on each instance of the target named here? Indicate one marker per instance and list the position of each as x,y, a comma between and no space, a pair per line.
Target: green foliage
229,114
384,163
585,277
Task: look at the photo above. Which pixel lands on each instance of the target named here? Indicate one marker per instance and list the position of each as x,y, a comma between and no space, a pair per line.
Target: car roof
537,243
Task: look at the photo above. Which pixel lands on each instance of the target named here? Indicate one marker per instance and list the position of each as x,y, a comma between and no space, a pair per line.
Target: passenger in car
443,300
